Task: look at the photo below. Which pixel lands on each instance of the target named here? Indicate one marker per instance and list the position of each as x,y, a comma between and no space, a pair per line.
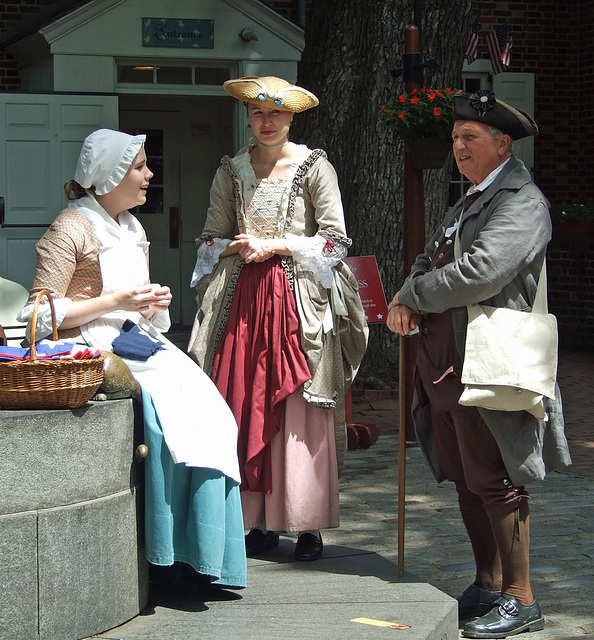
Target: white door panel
517,89
40,138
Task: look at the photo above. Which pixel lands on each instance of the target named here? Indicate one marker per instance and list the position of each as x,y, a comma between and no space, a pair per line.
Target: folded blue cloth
43,350
135,343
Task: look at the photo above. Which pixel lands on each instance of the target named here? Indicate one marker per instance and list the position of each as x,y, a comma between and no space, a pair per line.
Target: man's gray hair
497,134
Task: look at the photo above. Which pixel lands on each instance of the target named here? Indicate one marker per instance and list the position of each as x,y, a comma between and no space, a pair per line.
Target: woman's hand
161,299
145,300
253,249
139,299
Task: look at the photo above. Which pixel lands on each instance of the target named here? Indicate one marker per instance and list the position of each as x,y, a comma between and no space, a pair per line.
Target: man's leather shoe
309,547
258,543
507,618
475,602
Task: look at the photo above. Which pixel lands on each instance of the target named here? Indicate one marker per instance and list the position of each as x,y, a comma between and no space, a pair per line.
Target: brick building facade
553,40
13,13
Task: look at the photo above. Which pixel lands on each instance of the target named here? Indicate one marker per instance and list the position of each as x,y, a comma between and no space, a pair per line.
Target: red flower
422,113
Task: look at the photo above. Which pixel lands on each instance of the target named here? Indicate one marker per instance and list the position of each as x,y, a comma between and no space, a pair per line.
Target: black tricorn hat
484,107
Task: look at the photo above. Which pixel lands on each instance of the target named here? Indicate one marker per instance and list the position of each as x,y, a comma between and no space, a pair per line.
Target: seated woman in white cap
280,325
94,261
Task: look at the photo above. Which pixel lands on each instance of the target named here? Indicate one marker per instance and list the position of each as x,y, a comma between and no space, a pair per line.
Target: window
166,74
154,160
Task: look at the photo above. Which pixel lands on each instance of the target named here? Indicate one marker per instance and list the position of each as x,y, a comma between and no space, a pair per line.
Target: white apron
198,426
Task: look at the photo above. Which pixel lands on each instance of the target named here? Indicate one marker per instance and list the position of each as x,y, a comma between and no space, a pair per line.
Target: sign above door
178,32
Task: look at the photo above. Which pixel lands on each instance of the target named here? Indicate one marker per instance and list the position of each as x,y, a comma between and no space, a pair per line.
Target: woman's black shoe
258,543
309,547
507,618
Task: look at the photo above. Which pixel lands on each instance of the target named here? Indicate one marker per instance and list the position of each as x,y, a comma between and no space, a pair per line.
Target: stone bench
70,522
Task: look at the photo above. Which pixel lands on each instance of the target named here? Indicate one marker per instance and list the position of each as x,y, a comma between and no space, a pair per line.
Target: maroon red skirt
259,363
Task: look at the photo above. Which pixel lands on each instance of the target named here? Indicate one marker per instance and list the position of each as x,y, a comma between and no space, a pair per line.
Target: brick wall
547,39
554,41
287,8
571,288
585,95
11,13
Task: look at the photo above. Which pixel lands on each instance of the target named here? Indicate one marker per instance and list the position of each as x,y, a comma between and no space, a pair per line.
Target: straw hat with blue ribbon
271,92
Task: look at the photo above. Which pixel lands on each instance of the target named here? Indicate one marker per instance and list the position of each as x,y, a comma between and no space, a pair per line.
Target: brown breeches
469,457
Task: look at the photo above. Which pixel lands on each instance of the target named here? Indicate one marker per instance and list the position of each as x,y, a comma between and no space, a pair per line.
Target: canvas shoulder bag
510,359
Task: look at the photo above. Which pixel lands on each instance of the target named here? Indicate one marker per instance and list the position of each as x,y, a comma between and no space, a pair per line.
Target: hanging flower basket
424,119
428,153
573,221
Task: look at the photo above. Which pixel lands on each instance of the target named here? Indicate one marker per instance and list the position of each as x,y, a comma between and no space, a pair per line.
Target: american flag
472,44
499,43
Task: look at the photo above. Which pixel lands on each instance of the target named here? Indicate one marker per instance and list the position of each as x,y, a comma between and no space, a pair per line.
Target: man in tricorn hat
503,227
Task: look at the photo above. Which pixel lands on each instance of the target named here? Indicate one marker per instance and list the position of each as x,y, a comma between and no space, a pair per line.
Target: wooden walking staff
413,230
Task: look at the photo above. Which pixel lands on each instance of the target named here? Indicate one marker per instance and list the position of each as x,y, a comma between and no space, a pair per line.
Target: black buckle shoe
476,602
257,542
309,547
507,619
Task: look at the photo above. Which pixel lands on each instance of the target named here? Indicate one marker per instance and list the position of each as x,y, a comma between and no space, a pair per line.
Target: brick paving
436,548
576,381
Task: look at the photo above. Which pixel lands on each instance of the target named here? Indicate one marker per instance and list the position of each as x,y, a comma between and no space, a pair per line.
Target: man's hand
401,319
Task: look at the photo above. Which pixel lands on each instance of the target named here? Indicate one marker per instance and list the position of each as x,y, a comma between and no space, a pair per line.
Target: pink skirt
304,474
286,446
259,363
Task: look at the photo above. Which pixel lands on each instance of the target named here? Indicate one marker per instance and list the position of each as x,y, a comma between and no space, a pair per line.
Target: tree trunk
350,47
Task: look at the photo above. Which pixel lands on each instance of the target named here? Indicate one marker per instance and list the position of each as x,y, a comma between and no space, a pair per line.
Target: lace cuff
43,326
318,254
207,256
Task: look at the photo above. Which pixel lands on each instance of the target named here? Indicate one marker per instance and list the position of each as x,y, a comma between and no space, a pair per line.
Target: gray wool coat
503,240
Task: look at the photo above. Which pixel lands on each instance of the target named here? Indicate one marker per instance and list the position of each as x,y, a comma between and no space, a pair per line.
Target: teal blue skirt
192,514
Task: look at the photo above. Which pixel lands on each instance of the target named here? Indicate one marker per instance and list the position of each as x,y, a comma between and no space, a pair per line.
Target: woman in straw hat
94,260
280,326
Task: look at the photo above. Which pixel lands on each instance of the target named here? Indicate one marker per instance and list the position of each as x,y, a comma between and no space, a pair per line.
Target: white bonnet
105,158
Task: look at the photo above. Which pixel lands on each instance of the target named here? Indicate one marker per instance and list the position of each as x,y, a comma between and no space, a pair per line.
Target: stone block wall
70,522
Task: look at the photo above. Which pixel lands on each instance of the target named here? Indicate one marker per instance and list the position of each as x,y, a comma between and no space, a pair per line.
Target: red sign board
371,291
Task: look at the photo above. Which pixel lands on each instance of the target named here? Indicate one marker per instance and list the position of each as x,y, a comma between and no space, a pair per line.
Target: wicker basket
48,384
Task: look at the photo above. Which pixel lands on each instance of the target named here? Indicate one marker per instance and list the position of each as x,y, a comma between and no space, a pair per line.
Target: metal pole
417,20
413,229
